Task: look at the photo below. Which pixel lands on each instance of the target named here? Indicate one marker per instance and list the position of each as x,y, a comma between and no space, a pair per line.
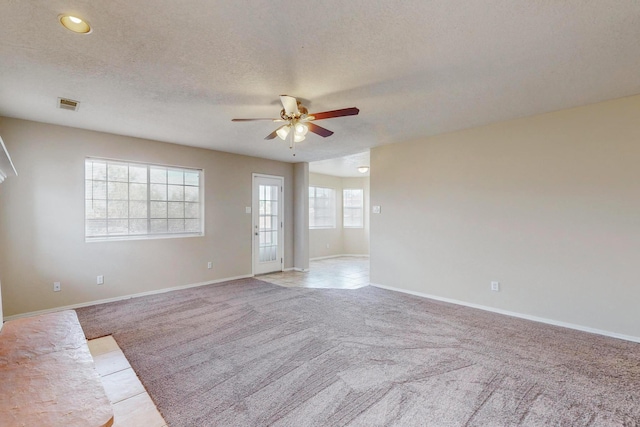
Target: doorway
268,223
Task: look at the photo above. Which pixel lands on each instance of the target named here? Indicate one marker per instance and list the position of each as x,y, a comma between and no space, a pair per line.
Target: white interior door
268,242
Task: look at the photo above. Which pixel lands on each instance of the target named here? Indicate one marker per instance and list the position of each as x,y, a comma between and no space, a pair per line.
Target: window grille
353,208
322,207
133,200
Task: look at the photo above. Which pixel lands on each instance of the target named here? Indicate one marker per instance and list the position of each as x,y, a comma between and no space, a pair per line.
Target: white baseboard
514,314
121,298
338,256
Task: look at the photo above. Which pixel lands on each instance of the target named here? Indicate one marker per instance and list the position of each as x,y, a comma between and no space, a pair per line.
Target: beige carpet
249,353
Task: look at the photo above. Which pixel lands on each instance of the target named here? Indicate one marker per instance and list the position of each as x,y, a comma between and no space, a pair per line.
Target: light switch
247,209
376,209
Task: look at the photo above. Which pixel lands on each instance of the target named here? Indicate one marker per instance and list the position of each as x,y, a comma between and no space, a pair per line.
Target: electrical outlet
100,280
209,265
327,246
495,286
56,287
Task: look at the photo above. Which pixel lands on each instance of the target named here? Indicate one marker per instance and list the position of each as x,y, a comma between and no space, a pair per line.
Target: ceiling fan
298,121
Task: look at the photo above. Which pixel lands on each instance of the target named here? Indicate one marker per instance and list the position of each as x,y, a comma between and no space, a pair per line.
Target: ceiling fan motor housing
302,113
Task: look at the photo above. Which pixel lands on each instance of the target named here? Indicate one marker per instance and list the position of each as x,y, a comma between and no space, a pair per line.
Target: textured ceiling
180,71
346,166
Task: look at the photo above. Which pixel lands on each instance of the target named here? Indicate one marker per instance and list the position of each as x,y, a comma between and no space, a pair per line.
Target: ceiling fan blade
319,130
275,132
290,104
272,135
252,120
335,113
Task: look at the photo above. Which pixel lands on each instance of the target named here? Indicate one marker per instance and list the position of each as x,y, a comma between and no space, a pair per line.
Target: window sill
142,237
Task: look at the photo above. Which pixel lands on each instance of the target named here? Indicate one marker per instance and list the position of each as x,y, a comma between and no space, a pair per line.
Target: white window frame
331,208
90,198
346,208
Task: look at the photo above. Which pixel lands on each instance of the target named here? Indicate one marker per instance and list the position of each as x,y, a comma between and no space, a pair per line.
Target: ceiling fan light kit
298,119
297,138
301,129
282,132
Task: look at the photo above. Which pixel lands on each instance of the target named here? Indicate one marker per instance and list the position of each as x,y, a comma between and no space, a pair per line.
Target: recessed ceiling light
75,24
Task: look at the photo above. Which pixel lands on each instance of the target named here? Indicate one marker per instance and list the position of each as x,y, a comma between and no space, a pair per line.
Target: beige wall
42,220
341,241
549,206
301,216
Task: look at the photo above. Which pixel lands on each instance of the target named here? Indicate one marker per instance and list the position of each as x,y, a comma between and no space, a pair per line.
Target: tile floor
339,273
132,406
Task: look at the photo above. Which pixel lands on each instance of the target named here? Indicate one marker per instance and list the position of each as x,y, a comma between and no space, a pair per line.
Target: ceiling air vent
68,104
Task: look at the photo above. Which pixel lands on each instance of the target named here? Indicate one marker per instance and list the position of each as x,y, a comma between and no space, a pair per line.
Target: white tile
108,363
102,345
122,385
137,411
337,273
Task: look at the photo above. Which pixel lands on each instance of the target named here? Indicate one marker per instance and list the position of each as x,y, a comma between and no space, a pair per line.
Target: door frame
255,211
